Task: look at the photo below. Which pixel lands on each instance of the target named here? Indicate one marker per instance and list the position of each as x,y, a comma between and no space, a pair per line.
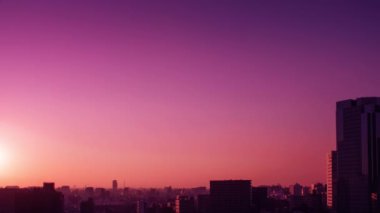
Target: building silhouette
114,185
259,198
140,206
39,200
87,206
31,200
7,199
184,204
358,155
296,189
203,203
230,196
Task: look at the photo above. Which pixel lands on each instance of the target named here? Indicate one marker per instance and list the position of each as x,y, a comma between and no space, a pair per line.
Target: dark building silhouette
184,204
259,198
31,200
307,203
358,155
114,185
89,192
101,193
157,208
65,189
49,186
141,206
87,206
296,189
7,200
203,203
230,196
39,200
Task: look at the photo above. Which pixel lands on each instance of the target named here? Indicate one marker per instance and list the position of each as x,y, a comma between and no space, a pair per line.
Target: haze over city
178,93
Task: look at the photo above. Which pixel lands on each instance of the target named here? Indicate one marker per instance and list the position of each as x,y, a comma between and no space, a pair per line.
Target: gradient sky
159,93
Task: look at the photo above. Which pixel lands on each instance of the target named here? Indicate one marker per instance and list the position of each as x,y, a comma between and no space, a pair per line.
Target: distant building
306,190
358,155
125,191
114,185
199,190
102,193
87,206
12,187
65,189
331,180
140,206
184,204
49,186
89,192
295,189
230,196
318,188
306,203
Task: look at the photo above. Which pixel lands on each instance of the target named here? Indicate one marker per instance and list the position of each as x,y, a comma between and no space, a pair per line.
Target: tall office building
358,155
230,196
331,180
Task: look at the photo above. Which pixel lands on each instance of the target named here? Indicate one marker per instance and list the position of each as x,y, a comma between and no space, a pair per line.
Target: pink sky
176,93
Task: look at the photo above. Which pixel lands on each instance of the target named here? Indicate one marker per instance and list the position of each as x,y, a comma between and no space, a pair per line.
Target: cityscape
201,106
351,184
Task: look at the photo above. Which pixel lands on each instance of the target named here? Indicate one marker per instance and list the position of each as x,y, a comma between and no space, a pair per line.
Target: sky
158,93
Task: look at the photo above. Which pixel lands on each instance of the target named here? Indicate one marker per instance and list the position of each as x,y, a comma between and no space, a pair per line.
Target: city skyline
175,93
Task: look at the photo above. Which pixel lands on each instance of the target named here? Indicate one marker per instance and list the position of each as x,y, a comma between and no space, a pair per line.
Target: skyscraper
358,154
331,179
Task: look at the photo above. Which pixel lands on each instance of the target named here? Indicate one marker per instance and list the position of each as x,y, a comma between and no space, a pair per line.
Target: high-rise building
358,155
331,180
230,196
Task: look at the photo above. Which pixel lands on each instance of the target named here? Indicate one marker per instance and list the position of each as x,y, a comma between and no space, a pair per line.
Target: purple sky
173,92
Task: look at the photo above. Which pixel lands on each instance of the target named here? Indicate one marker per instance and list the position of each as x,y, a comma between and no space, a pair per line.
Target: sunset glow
4,159
176,93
